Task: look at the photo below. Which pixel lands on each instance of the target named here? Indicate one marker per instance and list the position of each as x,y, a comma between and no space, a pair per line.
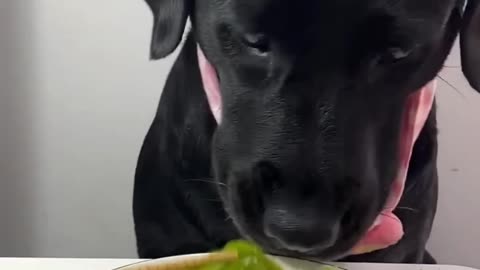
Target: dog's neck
387,230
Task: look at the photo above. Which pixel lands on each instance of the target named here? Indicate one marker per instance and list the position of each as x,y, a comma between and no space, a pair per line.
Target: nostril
299,229
249,197
268,176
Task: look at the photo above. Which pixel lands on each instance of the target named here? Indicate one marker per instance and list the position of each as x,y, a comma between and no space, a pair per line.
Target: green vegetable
250,257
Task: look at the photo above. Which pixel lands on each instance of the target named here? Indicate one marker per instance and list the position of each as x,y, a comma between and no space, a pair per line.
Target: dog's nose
299,229
299,217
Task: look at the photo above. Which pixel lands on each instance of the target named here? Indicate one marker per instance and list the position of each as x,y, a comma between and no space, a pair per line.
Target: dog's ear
170,18
470,43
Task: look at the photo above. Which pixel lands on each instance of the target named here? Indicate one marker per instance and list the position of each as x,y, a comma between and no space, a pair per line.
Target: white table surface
109,264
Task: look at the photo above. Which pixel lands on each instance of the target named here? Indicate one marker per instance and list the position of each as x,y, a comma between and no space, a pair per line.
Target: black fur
313,95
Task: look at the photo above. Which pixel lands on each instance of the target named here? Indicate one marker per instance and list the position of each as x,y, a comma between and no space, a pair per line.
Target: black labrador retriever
306,152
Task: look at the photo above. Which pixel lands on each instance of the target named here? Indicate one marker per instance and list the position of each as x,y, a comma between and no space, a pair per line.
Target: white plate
294,264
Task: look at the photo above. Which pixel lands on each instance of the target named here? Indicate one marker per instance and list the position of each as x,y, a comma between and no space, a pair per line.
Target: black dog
313,95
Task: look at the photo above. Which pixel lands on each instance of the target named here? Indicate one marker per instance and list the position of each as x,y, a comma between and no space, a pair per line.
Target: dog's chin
274,247
304,253
271,246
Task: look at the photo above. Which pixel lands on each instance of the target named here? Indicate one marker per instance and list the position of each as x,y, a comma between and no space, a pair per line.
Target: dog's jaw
387,230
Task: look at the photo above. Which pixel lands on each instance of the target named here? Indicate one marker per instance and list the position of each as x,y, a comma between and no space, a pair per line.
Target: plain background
77,94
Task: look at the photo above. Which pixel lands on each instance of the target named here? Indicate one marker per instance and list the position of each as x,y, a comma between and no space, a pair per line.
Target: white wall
457,228
76,97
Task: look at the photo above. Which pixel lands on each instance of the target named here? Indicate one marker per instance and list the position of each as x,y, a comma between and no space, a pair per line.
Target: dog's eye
258,43
399,53
394,55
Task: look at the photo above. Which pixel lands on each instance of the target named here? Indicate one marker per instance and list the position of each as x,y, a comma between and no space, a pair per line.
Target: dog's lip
308,254
292,248
387,229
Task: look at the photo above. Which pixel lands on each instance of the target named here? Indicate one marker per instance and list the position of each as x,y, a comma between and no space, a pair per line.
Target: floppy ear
470,43
170,18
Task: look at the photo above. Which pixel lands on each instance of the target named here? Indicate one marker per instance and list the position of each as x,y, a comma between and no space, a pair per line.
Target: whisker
402,208
451,66
210,181
451,85
410,188
408,208
213,200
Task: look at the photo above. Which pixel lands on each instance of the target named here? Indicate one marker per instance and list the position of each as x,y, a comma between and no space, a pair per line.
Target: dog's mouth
387,229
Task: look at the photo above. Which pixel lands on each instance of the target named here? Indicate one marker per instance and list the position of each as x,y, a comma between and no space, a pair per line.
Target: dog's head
313,94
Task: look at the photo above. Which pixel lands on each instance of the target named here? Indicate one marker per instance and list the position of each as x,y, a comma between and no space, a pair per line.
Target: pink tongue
211,85
387,229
